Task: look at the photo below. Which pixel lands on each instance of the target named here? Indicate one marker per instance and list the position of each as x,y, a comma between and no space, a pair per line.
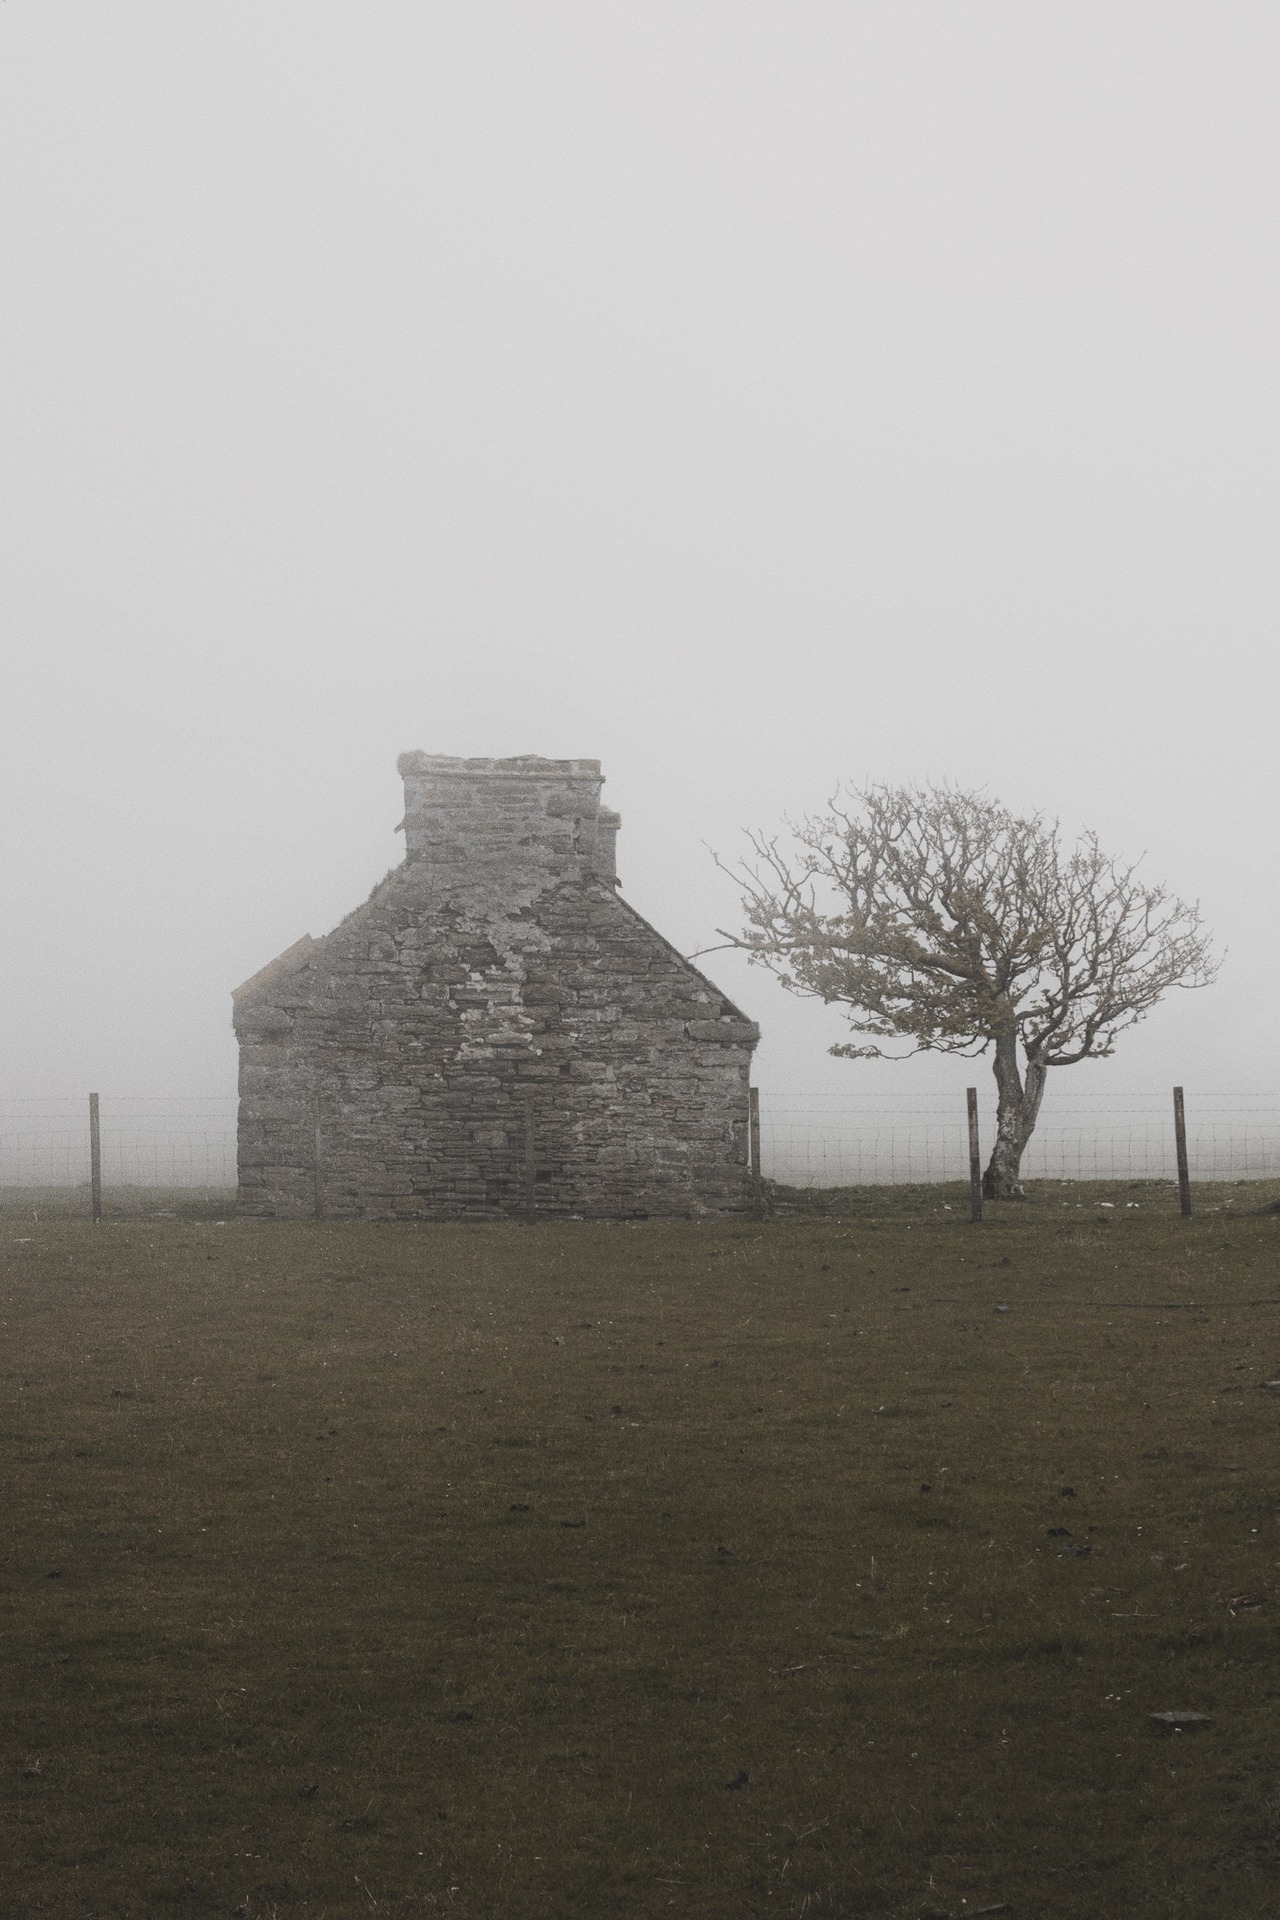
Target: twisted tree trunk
1017,1107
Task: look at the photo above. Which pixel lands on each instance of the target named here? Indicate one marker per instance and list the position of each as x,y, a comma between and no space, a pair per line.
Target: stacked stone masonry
495,1031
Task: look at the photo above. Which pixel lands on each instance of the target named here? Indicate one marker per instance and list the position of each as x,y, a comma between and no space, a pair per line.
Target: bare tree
937,917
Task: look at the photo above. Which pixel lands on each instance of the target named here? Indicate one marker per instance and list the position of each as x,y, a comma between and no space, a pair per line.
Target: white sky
751,395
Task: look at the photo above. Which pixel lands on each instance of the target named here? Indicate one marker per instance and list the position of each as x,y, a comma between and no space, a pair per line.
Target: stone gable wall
495,1031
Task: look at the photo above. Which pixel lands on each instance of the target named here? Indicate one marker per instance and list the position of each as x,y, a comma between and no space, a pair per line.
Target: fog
752,397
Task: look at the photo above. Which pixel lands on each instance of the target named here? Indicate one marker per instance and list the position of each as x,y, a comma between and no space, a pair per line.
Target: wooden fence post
975,1156
753,1147
318,1158
530,1163
95,1160
1180,1143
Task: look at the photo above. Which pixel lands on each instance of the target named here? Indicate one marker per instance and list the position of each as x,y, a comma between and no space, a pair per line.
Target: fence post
318,1161
753,1147
95,1160
975,1156
1180,1143
530,1163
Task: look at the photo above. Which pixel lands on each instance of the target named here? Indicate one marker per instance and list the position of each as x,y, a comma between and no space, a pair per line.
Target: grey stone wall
494,1031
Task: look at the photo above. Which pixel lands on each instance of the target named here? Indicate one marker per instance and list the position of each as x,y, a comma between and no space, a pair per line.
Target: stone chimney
540,821
605,861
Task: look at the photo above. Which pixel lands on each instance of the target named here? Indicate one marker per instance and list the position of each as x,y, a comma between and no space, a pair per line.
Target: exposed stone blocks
495,1032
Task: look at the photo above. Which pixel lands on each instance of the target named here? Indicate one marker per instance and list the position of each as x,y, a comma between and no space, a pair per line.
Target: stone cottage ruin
495,1031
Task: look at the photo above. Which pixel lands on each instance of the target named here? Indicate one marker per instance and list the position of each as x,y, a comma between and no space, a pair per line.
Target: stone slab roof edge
292,960
686,963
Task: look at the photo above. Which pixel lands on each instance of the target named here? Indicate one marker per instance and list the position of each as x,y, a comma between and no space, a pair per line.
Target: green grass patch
829,1564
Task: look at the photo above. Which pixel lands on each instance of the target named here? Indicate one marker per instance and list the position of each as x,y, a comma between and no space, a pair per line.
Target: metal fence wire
836,1143
187,1145
806,1141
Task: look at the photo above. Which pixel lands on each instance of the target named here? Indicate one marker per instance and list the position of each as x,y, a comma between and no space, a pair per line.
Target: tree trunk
1017,1107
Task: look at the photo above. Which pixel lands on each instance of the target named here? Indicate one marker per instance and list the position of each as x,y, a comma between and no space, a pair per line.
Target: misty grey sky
752,396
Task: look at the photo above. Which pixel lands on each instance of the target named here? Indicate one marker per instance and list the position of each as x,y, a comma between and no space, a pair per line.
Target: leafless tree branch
940,921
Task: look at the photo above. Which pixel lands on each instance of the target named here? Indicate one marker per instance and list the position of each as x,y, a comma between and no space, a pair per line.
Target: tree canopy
936,918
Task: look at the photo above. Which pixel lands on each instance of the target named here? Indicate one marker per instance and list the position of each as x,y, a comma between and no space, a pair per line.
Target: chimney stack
535,819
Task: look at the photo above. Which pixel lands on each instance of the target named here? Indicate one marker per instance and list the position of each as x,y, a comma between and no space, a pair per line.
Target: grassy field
828,1565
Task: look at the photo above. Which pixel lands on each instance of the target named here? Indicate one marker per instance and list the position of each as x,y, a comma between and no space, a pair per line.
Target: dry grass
715,1570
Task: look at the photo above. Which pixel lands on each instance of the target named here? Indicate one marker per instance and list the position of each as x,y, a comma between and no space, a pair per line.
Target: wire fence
837,1143
155,1144
188,1146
